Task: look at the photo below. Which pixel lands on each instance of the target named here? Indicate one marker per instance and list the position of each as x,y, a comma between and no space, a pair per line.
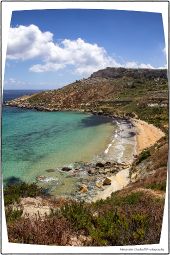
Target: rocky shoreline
93,177
98,179
21,102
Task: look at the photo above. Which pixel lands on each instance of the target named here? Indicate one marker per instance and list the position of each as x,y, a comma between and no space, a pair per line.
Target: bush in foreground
13,192
130,219
51,230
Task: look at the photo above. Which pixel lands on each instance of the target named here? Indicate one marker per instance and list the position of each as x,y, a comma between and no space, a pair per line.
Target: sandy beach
146,136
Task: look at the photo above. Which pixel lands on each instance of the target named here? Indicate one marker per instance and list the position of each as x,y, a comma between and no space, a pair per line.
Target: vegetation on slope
110,91
119,220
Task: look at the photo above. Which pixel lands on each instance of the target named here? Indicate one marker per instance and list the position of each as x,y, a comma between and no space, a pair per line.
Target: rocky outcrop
120,72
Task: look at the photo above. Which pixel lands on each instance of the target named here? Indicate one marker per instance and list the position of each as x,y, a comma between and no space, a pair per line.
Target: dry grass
49,231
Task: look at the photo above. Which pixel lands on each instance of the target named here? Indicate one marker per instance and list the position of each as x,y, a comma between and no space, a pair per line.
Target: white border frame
157,7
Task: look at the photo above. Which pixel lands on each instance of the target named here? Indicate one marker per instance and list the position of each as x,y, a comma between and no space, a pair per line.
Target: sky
51,48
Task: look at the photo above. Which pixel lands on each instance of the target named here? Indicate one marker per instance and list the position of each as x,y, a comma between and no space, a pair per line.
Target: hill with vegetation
112,90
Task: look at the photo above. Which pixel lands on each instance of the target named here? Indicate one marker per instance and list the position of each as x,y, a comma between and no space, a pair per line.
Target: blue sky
50,48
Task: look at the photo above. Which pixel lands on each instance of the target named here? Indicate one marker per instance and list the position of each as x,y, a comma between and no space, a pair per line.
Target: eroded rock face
119,72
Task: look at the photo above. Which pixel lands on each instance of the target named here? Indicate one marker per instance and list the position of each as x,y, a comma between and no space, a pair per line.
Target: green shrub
12,214
139,223
11,199
108,229
157,186
114,228
78,214
130,199
13,192
144,155
133,198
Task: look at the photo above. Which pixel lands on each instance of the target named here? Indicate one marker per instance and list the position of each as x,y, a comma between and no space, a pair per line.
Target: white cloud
28,42
13,82
46,67
163,67
134,64
85,57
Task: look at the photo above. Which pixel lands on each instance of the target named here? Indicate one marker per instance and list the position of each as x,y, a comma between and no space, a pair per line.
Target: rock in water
50,170
66,169
107,181
108,164
91,171
99,164
83,188
40,178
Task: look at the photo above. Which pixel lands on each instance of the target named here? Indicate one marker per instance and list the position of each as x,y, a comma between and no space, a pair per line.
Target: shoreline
130,133
146,136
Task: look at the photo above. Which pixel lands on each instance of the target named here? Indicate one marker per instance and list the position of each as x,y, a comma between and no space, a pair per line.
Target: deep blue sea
33,142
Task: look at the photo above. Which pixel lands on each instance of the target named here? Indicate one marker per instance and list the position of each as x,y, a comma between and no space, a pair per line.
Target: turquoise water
33,141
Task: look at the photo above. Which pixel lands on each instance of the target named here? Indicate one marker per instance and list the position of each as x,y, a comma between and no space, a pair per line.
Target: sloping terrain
117,91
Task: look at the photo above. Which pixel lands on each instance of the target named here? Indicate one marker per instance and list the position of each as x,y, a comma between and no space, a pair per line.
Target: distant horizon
44,55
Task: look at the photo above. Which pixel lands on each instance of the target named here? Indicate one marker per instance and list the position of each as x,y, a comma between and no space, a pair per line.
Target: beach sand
119,181
146,136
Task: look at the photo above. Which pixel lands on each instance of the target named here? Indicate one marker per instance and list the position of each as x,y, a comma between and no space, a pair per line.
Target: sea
36,143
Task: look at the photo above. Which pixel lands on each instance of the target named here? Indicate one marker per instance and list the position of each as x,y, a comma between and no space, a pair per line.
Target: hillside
112,90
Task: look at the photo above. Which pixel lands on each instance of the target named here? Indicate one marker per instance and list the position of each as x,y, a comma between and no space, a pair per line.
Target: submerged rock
50,170
40,178
66,169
